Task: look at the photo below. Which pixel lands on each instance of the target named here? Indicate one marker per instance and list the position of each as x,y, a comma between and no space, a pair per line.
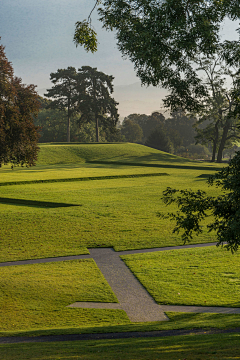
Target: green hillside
121,153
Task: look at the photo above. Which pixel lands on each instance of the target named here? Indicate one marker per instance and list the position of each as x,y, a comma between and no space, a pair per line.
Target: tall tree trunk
68,124
216,135
97,128
223,140
214,151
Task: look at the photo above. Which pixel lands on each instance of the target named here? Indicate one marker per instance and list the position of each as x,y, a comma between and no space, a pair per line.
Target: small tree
18,105
65,93
194,206
95,101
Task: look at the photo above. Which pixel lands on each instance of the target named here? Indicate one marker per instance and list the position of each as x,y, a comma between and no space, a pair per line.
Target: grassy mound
62,153
126,153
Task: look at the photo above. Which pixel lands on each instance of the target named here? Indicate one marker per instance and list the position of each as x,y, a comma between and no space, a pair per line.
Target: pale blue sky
38,38
37,35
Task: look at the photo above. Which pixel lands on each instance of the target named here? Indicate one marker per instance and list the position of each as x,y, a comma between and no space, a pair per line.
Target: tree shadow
35,203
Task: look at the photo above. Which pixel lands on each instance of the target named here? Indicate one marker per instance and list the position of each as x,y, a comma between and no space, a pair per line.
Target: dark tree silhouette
18,105
64,93
95,102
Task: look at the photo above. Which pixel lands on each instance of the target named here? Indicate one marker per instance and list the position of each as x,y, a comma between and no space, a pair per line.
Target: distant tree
65,93
131,131
183,124
18,105
53,125
218,120
95,102
147,122
158,139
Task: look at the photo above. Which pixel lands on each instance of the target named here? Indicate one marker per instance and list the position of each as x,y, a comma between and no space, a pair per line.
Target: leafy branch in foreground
196,206
85,36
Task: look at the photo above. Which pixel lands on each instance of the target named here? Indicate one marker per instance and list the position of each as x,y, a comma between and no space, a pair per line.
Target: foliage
18,105
218,120
84,96
178,128
131,131
65,93
158,139
95,102
194,206
84,35
53,125
194,151
181,123
170,43
161,38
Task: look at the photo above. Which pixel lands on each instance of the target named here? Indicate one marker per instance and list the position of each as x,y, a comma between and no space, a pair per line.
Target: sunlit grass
202,276
119,213
36,296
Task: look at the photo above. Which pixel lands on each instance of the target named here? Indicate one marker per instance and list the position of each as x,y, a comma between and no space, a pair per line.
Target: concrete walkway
132,296
119,253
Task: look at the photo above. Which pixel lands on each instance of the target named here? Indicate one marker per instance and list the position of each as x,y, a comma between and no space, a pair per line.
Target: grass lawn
201,347
119,213
206,276
36,296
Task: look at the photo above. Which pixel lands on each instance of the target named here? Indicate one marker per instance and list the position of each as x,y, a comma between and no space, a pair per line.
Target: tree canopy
65,93
83,95
95,102
163,39
18,105
195,206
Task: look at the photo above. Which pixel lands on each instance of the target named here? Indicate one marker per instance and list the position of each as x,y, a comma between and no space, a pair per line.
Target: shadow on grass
81,179
43,204
171,166
178,321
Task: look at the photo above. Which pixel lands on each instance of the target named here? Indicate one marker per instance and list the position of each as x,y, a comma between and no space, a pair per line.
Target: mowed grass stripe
89,178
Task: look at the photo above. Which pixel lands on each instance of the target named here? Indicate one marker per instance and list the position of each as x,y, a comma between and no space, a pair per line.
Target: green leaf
85,36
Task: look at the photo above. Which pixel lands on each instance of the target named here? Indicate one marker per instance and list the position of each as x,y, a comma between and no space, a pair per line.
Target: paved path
79,257
132,296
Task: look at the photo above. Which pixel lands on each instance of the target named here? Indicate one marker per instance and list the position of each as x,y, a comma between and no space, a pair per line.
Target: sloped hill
121,153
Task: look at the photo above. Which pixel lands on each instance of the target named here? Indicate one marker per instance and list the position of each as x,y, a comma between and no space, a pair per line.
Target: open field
200,347
50,219
205,277
36,296
107,212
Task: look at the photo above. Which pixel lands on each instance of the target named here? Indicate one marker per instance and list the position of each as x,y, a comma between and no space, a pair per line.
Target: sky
37,35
